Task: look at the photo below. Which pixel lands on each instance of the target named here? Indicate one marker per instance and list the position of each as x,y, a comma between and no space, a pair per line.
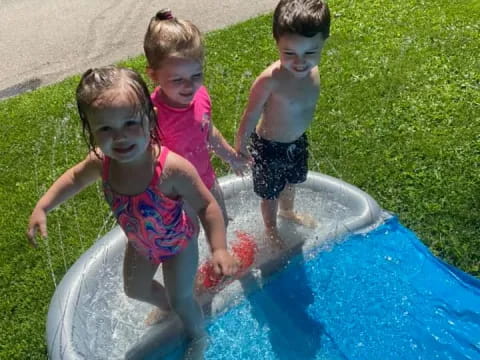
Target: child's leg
217,193
269,210
296,172
286,200
179,274
138,273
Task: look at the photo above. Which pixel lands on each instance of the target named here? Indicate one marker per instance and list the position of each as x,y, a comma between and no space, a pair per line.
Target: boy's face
300,54
179,79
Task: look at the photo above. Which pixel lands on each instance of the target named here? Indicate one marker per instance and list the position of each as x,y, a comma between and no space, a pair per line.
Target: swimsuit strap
163,155
160,164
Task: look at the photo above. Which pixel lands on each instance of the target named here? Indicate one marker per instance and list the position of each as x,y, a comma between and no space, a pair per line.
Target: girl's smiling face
119,130
300,54
179,79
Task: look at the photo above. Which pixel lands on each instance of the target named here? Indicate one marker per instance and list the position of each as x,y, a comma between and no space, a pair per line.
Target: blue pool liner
380,295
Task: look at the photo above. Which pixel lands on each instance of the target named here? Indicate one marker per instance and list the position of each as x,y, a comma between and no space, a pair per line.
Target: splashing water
114,322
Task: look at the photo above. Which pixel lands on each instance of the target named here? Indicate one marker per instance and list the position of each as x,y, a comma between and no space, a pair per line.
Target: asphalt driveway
44,41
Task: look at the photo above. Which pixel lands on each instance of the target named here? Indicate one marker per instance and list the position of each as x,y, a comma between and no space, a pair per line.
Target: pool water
379,295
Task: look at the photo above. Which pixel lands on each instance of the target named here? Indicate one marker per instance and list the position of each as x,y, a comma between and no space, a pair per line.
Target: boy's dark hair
302,17
93,92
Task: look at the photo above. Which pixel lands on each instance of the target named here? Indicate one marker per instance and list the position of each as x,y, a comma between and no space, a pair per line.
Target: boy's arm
259,94
66,186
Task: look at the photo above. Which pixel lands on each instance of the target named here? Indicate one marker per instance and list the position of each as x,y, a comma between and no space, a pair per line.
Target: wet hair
95,92
302,17
168,36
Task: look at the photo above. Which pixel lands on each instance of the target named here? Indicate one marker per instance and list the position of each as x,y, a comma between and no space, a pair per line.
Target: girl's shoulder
174,165
89,169
176,171
202,95
203,91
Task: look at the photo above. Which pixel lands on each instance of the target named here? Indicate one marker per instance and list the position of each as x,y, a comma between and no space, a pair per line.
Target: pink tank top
185,131
157,225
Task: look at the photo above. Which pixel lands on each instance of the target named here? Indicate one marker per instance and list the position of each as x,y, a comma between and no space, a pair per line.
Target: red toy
244,251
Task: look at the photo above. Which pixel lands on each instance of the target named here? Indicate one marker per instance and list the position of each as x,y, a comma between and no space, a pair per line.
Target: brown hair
302,17
93,92
168,36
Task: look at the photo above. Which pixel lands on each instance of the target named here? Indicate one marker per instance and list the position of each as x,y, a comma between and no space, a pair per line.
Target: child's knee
136,290
130,290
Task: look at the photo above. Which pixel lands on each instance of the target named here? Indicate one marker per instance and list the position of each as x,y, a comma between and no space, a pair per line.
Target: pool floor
380,295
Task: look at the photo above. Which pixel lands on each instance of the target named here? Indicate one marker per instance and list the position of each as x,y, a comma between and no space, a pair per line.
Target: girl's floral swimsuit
157,225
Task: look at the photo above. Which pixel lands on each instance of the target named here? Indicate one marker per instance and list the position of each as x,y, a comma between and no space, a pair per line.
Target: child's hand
38,220
224,263
241,164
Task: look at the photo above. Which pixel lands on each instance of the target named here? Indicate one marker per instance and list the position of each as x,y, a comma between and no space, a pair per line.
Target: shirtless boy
280,109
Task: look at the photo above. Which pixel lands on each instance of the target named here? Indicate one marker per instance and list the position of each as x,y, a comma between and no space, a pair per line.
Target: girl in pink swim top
145,185
174,52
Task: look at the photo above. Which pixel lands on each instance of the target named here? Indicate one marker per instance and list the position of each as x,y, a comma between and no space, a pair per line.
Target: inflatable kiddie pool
90,317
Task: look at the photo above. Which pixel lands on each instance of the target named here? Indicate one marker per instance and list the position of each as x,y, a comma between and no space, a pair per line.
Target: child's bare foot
156,316
301,219
273,237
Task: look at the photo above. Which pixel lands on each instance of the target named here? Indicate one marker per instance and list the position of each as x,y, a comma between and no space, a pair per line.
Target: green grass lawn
399,117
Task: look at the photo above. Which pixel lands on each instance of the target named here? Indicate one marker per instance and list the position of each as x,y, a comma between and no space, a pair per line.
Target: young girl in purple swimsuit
145,185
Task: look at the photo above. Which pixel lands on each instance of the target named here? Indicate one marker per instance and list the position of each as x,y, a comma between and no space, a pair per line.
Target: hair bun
164,14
